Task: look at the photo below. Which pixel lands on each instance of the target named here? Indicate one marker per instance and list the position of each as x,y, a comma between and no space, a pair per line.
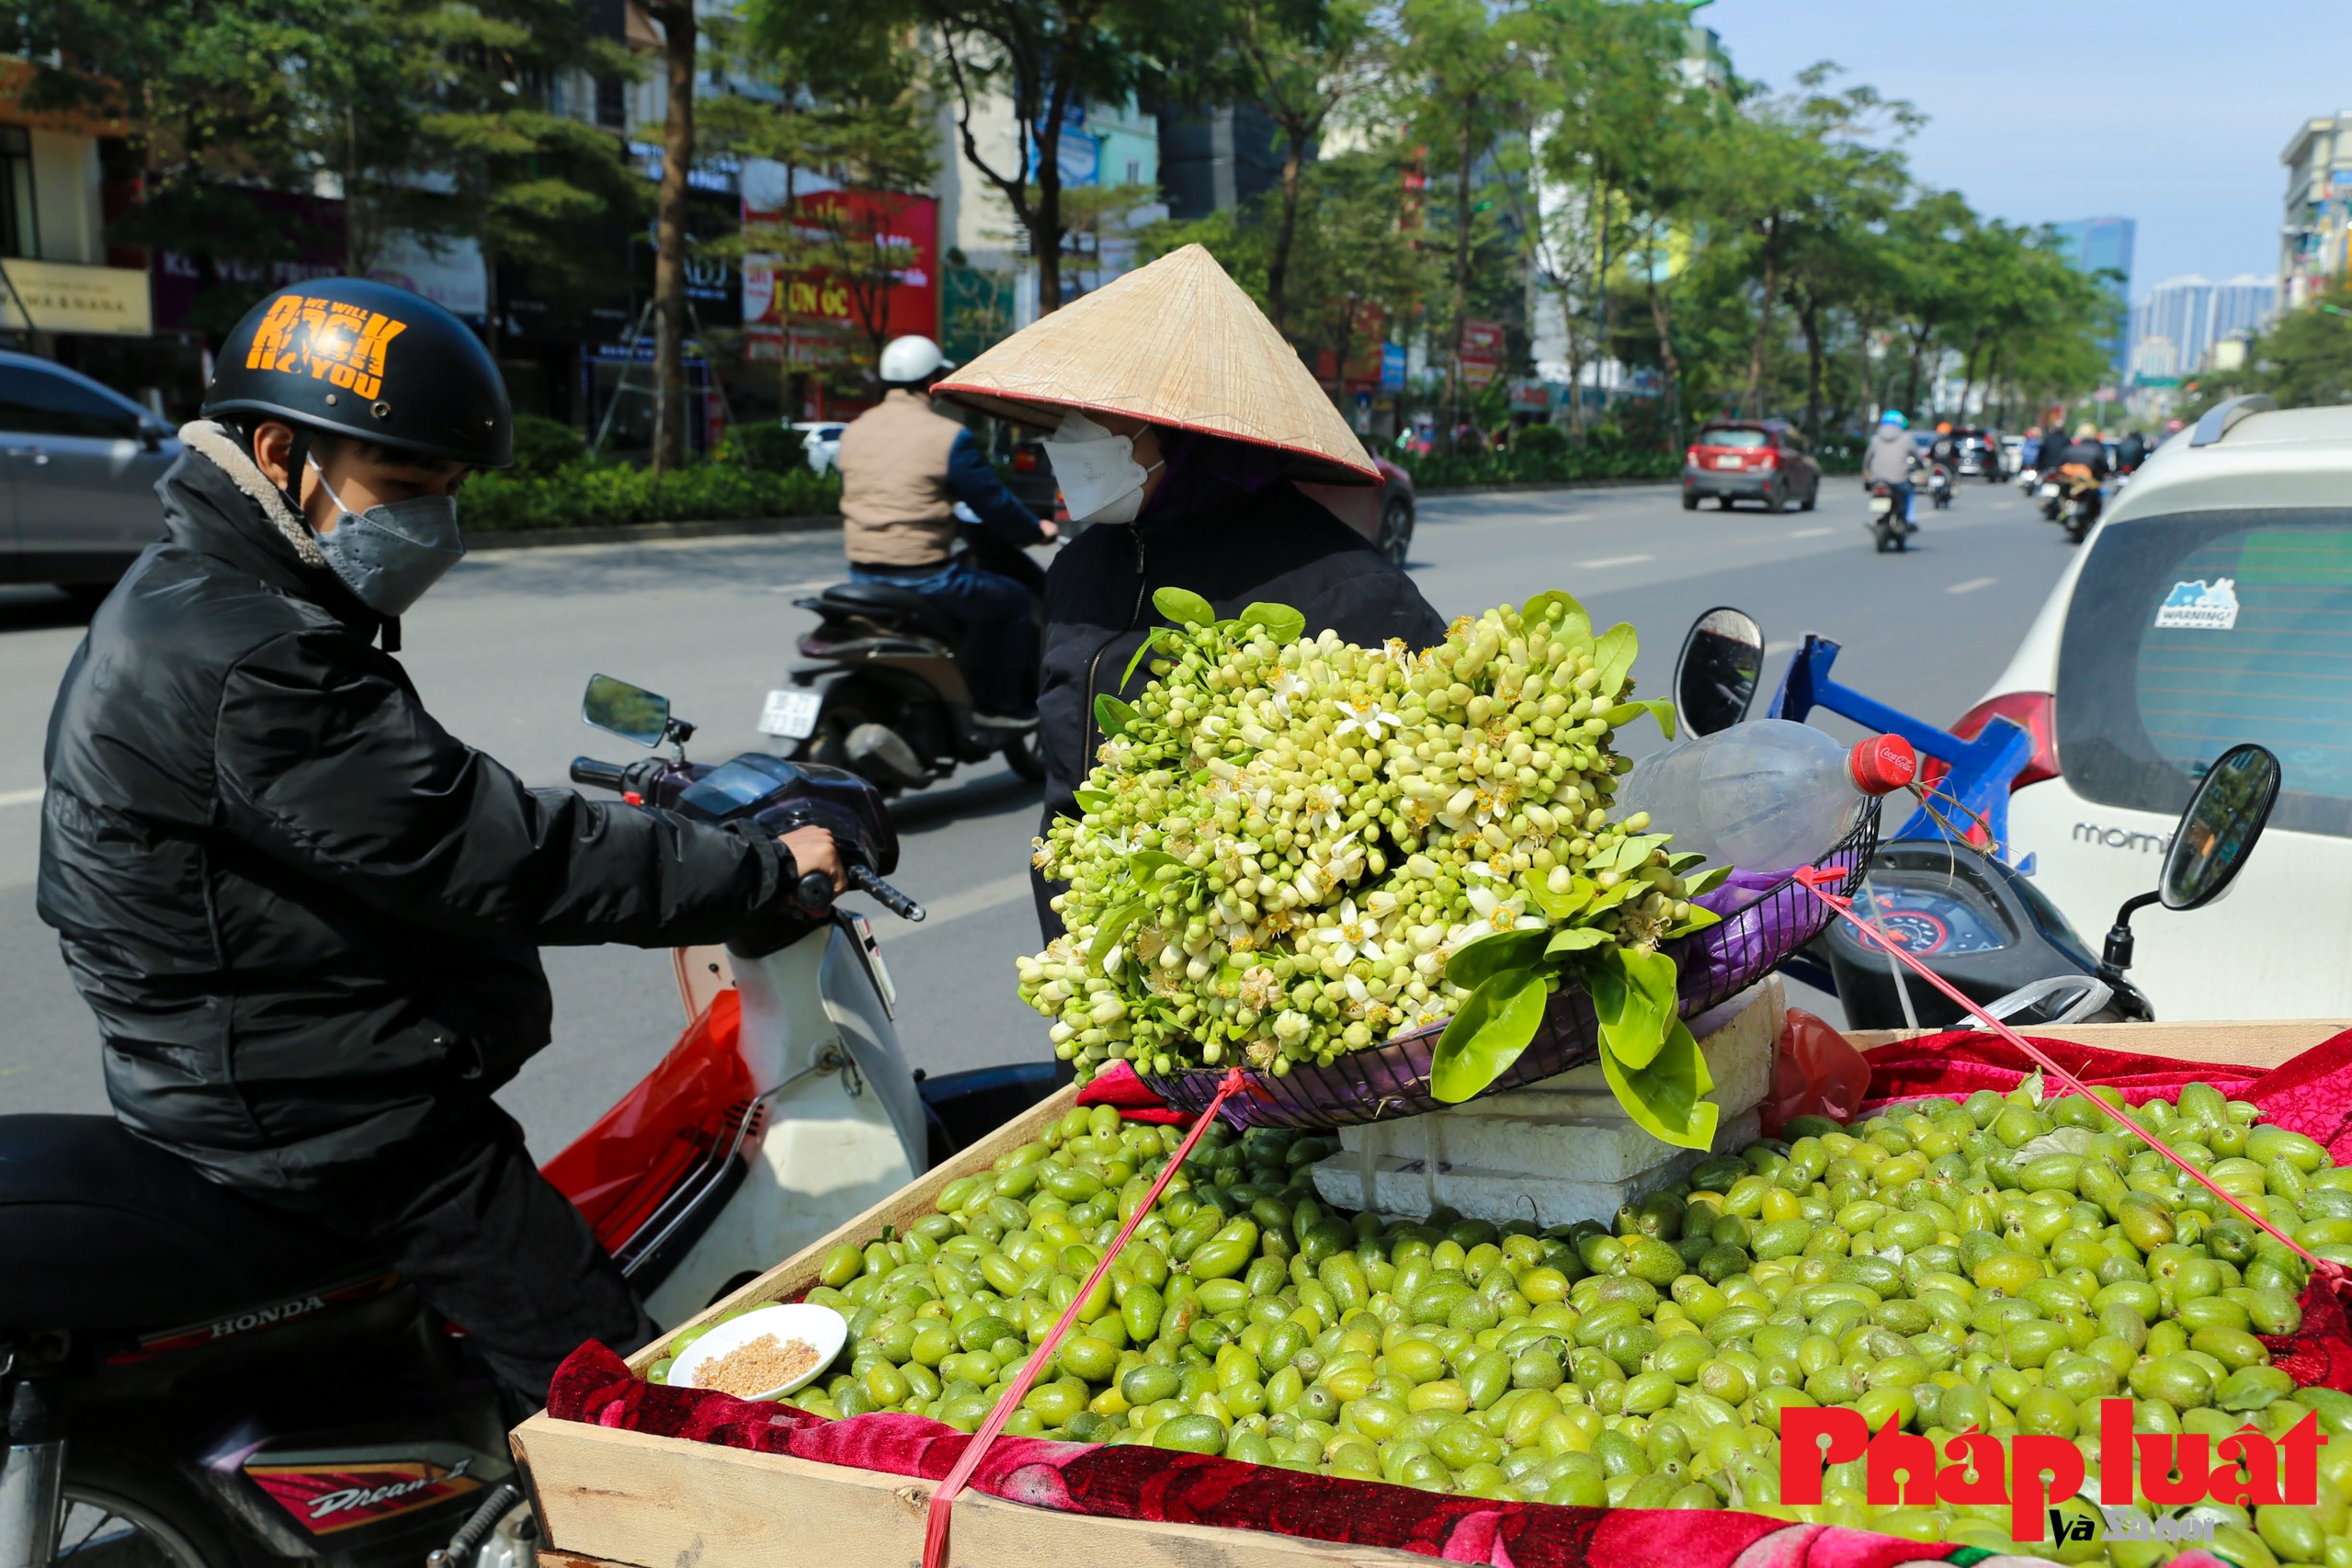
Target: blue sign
1391,367
1080,161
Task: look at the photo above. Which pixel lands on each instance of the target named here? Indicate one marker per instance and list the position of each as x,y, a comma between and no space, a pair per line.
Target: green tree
2304,360
1461,84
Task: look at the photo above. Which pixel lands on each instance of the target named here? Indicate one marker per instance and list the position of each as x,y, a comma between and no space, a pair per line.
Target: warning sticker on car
2197,606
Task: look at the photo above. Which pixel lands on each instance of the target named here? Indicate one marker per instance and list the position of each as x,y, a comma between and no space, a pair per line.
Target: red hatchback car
1760,460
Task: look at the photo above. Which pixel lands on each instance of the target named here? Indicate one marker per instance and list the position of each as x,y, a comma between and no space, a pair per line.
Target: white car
821,442
2211,606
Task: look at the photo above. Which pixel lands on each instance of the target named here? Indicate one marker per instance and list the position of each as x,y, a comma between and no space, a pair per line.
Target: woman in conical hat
1175,411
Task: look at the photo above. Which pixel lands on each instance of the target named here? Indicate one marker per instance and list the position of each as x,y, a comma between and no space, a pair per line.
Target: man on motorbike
904,467
1890,458
2089,451
2131,452
307,916
1179,414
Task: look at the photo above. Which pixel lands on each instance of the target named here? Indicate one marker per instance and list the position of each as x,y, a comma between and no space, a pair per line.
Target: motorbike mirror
630,712
2217,831
1716,675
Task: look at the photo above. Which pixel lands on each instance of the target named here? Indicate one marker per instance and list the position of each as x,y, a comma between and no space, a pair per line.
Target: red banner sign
887,284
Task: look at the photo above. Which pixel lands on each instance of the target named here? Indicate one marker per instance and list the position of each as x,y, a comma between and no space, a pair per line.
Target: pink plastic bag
1815,1071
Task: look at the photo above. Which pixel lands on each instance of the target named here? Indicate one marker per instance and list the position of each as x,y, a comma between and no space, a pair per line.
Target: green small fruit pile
2001,1264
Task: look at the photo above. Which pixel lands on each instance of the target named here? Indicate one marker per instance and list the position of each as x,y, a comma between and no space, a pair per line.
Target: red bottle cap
1882,764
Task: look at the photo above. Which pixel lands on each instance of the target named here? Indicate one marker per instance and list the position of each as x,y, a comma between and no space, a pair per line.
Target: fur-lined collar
218,444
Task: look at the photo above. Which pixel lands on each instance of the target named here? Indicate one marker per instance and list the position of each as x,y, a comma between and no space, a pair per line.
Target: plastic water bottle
1765,795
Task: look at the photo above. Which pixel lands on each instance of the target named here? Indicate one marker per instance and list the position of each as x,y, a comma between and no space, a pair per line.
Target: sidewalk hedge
1539,464
555,485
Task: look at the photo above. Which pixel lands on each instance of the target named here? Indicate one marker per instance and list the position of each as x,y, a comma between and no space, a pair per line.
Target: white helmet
906,360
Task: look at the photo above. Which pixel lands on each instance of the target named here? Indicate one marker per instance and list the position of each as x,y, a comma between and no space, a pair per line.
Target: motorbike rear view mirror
2218,830
632,713
1716,676
2217,833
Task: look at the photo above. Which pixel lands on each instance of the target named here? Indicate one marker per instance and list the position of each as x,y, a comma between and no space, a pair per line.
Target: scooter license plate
790,715
1881,504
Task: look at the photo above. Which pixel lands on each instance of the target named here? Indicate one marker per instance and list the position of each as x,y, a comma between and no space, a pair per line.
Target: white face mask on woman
1100,480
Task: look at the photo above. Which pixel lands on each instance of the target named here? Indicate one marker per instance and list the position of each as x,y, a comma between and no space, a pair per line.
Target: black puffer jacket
306,916
1232,546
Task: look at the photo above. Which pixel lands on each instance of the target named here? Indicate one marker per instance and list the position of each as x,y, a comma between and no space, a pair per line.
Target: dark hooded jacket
1223,525
306,916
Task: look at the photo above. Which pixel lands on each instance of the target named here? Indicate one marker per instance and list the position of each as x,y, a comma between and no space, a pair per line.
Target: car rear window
1723,436
2189,634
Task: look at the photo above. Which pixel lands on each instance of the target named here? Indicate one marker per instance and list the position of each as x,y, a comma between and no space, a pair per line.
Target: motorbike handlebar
603,775
814,893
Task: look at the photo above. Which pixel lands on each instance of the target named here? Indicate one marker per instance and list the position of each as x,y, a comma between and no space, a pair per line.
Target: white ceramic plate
820,1327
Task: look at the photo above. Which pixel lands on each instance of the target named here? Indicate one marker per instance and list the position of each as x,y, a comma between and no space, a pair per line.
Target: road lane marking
1972,584
956,905
802,587
1613,561
1811,533
1785,645
20,797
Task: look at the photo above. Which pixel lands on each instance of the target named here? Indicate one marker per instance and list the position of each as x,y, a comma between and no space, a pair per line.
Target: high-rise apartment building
2104,246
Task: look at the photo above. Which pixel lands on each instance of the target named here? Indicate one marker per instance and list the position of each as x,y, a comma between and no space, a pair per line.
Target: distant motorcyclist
1944,448
2030,451
904,467
2087,451
2131,452
307,916
1891,458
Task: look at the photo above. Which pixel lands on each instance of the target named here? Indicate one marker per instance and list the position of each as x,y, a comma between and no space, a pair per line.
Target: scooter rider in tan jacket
903,468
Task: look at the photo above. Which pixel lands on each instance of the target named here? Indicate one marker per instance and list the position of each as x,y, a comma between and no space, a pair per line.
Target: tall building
1216,159
2103,245
2191,316
2319,193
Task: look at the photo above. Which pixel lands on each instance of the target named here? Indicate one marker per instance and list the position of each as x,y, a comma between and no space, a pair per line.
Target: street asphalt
501,650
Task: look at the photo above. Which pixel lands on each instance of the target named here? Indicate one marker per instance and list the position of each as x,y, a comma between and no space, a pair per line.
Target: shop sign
61,297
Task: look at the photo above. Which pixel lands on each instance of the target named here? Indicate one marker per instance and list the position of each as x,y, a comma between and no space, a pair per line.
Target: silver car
82,461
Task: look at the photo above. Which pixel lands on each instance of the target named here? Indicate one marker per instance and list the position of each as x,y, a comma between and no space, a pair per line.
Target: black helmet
356,358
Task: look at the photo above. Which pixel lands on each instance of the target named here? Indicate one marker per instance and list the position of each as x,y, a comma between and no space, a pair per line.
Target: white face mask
1101,481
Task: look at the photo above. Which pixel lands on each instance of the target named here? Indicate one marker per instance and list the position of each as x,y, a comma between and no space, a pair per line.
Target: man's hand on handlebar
812,850
1049,531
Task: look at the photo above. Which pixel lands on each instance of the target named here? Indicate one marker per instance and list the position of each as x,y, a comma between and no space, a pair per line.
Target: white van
2213,604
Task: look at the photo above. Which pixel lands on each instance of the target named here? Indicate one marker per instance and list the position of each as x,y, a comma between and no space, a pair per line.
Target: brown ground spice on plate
757,1366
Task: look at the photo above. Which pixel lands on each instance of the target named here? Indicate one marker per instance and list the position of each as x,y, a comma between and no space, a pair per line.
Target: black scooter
885,695
1975,920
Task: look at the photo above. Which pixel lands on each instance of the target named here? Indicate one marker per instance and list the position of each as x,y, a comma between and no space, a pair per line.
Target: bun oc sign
867,269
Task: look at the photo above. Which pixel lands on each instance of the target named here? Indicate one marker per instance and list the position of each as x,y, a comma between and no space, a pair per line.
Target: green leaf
1556,905
1150,640
1540,607
1678,864
1474,962
1632,852
1281,622
1096,799
1112,715
1700,918
1665,1097
1624,713
1574,939
1145,862
1114,927
1633,997
1706,882
1495,1023
1184,607
1613,656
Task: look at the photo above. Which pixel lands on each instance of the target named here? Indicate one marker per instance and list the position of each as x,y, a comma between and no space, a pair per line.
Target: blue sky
2173,112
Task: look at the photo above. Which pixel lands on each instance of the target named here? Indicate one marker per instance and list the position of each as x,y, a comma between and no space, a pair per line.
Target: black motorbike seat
891,606
100,1230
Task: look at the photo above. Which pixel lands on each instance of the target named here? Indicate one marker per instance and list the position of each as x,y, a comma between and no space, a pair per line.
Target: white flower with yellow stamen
1354,933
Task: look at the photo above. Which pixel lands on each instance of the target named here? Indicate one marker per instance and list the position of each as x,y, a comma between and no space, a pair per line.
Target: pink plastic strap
934,1532
1813,877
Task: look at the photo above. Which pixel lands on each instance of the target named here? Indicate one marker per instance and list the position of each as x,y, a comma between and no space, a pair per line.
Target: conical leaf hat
1175,343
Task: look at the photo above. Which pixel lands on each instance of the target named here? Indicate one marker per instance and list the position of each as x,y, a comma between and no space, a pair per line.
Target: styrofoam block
1406,1189
1571,1126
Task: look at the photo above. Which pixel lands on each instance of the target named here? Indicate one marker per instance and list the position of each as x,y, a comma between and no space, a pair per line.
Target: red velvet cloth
2311,1095
1116,1084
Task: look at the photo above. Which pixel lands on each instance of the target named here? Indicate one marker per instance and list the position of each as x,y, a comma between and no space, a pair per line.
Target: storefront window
20,234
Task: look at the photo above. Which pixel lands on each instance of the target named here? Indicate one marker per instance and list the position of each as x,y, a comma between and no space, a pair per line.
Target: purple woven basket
1767,916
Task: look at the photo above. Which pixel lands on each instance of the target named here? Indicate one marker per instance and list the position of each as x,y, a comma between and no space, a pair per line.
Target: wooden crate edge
2245,1042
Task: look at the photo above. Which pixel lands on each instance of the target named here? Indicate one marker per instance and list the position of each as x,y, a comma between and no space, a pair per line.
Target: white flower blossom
1354,933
